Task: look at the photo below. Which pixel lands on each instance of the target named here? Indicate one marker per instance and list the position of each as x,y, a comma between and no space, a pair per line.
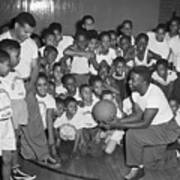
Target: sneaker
17,174
135,174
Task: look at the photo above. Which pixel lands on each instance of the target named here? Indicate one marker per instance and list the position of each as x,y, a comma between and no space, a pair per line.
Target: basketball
104,110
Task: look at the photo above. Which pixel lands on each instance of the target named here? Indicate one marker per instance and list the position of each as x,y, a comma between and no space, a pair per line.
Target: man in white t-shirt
150,124
33,141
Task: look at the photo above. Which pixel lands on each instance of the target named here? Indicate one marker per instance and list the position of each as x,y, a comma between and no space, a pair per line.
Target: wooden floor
102,168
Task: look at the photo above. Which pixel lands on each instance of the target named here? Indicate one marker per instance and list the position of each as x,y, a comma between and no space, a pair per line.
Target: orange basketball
104,110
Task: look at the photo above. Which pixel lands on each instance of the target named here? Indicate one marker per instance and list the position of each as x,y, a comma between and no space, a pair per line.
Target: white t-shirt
160,48
154,98
15,86
171,76
5,102
109,57
29,51
45,103
88,120
60,89
174,44
80,65
63,44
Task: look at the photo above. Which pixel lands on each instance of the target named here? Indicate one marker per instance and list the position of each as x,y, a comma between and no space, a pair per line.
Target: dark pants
33,140
155,137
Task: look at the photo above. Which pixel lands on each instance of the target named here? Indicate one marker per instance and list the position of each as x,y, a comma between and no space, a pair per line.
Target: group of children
77,72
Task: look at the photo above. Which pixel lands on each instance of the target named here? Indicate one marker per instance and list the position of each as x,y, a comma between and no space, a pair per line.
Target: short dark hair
25,18
55,26
66,77
83,86
92,34
119,60
94,79
9,44
106,92
4,56
87,16
46,32
81,33
50,49
68,100
161,26
59,100
104,33
43,76
163,62
127,21
142,71
125,37
142,35
56,64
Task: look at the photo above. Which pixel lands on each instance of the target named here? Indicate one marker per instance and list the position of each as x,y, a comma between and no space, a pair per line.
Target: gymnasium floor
102,168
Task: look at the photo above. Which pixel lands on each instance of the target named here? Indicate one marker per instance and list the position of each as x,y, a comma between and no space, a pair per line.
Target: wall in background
108,13
167,8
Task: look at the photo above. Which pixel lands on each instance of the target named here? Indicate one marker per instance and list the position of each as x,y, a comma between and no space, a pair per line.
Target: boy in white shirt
157,42
164,77
7,136
16,89
63,41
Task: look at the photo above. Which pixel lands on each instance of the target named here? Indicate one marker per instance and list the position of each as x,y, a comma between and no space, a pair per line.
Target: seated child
126,50
48,39
164,77
47,61
57,75
69,125
120,75
69,83
47,107
104,51
80,57
63,41
112,137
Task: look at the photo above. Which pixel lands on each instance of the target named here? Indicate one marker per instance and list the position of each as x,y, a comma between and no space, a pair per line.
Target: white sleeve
50,103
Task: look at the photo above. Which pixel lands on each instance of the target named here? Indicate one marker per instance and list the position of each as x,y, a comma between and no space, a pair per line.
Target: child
120,75
57,74
63,41
46,63
142,54
48,39
69,82
17,95
69,126
113,137
86,107
126,29
7,136
157,42
126,50
104,51
80,57
47,107
113,39
164,77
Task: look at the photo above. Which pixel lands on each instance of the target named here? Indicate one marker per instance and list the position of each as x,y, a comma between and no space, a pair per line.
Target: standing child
7,136
47,108
17,95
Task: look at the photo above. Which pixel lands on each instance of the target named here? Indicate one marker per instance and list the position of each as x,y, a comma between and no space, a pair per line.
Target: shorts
7,136
20,113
